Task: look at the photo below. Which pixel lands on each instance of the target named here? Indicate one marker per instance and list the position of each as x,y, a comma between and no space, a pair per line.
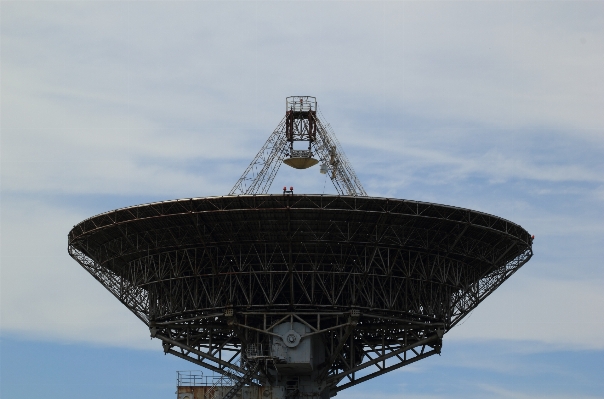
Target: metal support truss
301,123
376,281
356,343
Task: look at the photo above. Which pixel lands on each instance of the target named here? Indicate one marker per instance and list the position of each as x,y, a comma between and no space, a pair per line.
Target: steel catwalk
372,284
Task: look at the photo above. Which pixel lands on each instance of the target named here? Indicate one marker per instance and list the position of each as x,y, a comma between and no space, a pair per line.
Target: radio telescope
297,295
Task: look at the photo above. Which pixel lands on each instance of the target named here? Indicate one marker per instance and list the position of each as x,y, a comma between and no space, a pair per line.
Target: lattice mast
301,125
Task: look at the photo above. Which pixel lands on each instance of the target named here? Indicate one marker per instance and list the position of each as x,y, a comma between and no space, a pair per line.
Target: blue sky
493,106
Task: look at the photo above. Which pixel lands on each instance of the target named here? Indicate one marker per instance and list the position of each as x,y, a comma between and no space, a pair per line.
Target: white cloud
403,157
45,294
554,314
149,98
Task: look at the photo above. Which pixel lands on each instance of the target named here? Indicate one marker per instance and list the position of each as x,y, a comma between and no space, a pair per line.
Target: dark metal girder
336,352
383,357
199,353
386,370
394,261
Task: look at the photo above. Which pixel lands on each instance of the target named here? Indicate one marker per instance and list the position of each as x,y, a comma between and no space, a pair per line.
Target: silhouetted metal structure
298,295
301,124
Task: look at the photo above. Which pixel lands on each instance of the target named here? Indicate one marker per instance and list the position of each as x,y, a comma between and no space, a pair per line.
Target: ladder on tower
233,380
250,372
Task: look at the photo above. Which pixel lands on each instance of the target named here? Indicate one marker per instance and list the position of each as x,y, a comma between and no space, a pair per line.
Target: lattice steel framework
379,280
301,123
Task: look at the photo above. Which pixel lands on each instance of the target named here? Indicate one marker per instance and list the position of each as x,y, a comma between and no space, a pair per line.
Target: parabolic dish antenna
297,295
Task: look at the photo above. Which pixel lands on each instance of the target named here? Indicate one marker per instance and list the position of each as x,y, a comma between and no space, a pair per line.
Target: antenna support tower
300,125
297,295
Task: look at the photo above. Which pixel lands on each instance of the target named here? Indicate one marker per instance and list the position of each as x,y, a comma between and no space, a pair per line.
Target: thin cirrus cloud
173,99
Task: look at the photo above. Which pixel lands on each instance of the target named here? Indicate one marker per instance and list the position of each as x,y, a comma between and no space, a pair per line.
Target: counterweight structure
303,296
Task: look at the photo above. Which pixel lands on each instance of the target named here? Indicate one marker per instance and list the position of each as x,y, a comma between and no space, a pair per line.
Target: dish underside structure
295,295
